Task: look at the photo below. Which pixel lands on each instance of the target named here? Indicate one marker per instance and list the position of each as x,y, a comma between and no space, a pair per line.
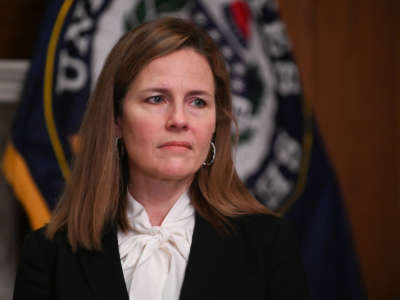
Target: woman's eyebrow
168,91
200,92
154,89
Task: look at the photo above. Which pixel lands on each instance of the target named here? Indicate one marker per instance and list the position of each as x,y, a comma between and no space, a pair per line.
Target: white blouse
154,258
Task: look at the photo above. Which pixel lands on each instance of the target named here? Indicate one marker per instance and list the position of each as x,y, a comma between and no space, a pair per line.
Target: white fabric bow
154,258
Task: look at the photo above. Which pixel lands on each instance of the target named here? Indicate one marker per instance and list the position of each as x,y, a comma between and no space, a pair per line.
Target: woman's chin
177,173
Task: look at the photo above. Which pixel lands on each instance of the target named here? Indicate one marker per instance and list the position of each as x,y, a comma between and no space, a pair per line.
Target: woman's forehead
181,67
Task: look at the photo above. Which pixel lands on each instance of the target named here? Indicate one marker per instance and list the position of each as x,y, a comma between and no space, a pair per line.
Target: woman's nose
177,119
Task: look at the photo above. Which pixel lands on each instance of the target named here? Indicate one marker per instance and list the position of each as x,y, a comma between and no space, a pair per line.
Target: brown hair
95,195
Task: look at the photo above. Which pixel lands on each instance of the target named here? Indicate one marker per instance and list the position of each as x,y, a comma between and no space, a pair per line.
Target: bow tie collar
154,258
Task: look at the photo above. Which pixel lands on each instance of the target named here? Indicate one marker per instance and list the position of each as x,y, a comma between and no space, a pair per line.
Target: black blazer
260,260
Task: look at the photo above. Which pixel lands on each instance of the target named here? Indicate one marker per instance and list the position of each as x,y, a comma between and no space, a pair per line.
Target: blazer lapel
206,269
103,269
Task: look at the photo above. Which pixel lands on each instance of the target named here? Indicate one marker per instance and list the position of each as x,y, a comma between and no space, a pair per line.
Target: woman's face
168,117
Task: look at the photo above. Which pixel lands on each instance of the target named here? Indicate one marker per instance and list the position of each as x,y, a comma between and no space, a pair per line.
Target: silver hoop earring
214,151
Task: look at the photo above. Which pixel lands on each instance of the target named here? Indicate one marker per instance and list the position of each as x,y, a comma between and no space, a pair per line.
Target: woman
154,208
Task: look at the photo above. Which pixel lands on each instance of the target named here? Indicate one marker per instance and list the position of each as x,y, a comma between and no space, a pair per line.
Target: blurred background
348,53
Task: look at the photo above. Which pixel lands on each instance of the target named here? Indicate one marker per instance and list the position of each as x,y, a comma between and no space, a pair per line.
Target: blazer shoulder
35,266
261,219
263,226
39,250
273,237
39,239
275,242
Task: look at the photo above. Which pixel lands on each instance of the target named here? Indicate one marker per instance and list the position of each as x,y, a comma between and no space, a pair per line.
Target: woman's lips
176,145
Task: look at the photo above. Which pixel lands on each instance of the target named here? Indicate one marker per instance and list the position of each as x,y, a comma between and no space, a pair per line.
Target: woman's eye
198,102
155,99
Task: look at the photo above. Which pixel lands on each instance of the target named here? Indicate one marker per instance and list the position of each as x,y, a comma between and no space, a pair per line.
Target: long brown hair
95,195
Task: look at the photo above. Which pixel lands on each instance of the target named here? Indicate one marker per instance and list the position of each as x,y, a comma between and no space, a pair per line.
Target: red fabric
241,14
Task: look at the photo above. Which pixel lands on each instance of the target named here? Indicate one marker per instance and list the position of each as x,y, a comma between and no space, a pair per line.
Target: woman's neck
157,196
